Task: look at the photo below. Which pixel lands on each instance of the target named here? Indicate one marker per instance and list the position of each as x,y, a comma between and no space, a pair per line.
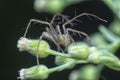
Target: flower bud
23,44
32,46
74,75
40,5
110,60
55,5
62,60
35,72
106,58
79,50
89,72
95,57
115,27
98,40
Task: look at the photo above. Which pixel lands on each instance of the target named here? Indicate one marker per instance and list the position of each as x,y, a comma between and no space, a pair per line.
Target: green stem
112,5
50,51
81,61
62,67
108,34
113,47
67,65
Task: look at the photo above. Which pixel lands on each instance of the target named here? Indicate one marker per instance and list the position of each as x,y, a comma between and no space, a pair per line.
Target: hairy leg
78,32
83,14
34,20
37,56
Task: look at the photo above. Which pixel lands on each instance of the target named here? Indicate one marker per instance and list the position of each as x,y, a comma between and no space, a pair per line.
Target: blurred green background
14,16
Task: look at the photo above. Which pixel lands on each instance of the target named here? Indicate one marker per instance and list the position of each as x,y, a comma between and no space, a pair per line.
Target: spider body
58,38
61,40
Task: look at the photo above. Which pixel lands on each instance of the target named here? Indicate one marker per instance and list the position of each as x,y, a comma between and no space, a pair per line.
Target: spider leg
58,46
38,21
55,40
64,17
83,14
37,50
68,37
34,20
52,29
54,35
68,44
78,32
58,29
42,22
56,15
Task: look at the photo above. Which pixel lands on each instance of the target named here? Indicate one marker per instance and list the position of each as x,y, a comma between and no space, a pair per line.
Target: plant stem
114,6
62,67
50,51
67,65
113,47
108,34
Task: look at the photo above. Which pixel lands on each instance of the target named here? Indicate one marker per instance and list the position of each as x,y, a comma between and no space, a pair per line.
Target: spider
56,35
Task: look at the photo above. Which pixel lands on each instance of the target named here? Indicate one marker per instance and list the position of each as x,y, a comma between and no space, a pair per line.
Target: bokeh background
14,16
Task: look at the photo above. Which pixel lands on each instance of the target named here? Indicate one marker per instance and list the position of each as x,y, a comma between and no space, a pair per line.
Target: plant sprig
78,53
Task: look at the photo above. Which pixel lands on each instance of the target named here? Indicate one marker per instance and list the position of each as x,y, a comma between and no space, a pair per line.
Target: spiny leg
34,20
53,18
58,14
53,34
38,21
69,36
51,29
55,40
71,40
64,17
78,32
74,31
83,14
37,50
58,29
58,46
